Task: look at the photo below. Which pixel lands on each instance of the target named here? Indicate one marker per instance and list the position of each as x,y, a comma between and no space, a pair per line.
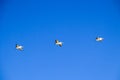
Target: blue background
35,24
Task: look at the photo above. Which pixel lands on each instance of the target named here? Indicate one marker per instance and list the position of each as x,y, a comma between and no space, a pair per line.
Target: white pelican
58,43
99,39
19,47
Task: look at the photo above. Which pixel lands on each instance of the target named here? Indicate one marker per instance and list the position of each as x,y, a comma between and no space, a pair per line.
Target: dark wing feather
56,41
96,37
16,45
60,45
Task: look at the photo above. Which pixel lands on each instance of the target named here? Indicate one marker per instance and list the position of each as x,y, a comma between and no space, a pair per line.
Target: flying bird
57,42
19,47
99,39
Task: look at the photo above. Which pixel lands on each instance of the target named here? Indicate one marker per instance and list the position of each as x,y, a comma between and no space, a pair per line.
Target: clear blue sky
35,24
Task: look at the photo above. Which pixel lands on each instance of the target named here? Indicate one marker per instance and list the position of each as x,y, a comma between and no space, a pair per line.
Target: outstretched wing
56,41
60,45
21,49
16,45
96,38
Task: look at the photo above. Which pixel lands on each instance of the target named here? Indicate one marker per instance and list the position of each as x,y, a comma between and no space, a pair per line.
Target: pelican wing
60,45
56,41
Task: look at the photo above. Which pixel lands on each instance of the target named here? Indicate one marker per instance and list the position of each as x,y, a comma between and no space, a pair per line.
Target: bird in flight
19,47
99,39
57,42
